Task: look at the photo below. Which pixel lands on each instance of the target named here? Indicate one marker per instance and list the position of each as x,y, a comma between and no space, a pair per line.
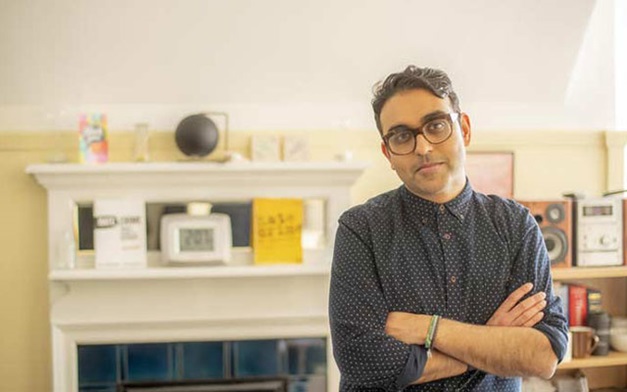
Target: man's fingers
527,304
534,320
514,297
529,313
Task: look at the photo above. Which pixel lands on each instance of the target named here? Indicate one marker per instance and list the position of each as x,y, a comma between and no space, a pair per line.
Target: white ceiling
273,52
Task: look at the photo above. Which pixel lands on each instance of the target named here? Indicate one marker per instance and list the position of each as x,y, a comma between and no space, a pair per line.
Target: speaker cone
556,244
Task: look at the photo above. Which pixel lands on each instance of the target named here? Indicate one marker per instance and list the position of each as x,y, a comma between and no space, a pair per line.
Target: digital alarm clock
196,238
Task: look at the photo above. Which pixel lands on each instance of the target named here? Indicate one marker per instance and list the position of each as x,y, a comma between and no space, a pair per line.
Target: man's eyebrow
425,119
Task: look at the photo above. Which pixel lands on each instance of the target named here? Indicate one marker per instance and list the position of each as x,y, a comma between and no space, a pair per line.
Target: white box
120,233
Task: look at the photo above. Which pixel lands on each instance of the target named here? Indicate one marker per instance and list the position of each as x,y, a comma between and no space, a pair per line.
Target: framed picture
491,172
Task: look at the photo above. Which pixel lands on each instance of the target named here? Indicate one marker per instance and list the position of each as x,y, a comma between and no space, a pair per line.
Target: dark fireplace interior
300,364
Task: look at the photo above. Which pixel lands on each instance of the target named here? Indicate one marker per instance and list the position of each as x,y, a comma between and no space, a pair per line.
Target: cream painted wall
546,164
24,329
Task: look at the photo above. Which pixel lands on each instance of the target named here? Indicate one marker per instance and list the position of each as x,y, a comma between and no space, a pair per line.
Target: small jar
142,136
601,324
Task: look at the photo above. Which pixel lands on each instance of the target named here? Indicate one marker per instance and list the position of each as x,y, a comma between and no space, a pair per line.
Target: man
428,280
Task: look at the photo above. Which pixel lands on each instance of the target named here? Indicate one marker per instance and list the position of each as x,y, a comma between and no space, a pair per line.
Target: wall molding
164,140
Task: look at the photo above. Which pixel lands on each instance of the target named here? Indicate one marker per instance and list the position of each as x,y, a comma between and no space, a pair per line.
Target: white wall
288,64
620,49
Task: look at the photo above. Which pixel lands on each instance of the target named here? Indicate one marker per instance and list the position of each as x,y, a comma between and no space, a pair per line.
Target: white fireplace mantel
165,304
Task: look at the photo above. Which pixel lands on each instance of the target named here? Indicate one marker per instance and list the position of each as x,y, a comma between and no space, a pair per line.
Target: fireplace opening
302,363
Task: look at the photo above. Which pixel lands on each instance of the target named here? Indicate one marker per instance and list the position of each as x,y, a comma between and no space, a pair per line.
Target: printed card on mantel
277,230
93,143
120,233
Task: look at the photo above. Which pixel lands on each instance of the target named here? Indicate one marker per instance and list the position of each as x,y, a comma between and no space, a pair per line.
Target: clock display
196,240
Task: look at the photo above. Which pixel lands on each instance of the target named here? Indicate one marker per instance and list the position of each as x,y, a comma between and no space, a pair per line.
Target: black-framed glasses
401,140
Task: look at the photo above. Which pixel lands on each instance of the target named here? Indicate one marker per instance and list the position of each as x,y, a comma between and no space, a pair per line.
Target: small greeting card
277,230
120,233
92,138
295,149
265,148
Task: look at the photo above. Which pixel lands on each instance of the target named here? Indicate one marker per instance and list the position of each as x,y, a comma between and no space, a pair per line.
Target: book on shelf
582,301
561,291
577,305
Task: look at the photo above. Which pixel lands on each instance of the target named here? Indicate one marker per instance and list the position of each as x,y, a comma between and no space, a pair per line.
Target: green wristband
433,325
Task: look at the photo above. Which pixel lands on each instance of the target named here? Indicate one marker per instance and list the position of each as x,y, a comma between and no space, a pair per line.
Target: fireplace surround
161,304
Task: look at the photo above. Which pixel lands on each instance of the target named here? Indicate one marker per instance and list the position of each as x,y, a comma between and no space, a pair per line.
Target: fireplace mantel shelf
190,167
161,175
252,271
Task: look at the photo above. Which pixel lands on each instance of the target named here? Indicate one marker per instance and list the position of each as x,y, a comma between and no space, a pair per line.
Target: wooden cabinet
602,371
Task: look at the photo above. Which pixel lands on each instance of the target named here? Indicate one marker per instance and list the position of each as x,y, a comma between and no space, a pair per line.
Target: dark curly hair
433,80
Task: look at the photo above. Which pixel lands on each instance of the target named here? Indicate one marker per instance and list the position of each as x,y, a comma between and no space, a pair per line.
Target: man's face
432,171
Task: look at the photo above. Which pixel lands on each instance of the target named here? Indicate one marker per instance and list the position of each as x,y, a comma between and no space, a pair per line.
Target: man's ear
385,151
387,155
466,128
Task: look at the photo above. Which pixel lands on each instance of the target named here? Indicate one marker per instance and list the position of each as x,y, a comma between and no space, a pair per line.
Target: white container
618,339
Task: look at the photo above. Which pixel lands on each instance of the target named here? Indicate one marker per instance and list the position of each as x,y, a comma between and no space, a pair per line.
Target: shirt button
453,279
424,221
447,236
442,208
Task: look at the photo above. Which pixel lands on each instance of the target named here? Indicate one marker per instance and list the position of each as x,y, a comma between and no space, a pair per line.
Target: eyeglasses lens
403,141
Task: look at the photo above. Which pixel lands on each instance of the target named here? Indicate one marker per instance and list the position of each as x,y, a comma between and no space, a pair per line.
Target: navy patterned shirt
460,260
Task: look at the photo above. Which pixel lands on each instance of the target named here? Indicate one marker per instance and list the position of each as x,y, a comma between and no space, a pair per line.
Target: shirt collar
426,208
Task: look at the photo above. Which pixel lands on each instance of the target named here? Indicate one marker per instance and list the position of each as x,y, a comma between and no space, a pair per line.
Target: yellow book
277,228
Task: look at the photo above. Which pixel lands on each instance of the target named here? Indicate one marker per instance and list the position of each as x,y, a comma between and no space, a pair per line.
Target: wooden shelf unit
601,371
613,359
588,272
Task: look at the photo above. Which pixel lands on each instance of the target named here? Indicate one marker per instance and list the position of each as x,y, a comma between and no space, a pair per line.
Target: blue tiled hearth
303,361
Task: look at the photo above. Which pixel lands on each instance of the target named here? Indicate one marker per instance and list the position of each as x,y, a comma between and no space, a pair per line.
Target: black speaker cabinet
555,220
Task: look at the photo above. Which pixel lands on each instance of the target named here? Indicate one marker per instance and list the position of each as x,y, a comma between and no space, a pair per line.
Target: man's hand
527,313
407,327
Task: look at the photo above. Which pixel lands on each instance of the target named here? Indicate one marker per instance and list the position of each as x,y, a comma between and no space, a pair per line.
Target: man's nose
423,147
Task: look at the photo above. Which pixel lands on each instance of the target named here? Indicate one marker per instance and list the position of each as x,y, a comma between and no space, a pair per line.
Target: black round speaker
196,135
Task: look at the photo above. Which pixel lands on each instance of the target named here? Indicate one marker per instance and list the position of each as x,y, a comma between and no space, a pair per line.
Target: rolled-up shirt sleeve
533,255
366,356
